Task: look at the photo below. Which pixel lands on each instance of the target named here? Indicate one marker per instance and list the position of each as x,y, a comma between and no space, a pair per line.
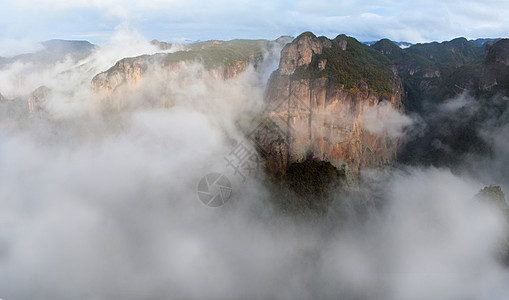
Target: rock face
495,74
220,60
300,53
36,100
128,72
27,106
313,114
131,76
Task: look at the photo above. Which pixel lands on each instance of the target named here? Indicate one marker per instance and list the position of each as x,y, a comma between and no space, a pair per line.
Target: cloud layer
104,206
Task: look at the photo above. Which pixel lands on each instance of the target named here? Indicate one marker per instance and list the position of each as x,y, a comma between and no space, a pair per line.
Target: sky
23,22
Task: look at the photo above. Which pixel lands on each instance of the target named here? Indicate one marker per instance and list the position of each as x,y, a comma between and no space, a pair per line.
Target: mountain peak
306,34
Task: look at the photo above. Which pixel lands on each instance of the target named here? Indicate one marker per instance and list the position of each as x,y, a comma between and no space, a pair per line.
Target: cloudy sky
25,21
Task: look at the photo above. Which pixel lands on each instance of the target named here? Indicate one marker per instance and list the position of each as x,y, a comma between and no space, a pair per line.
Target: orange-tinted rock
320,119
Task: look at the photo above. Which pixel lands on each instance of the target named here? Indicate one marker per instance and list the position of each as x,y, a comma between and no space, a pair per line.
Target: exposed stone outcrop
221,60
36,100
495,74
146,75
317,117
128,72
300,52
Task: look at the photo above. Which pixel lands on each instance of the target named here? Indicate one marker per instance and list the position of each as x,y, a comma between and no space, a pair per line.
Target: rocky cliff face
220,60
313,114
26,106
128,72
36,100
131,77
495,73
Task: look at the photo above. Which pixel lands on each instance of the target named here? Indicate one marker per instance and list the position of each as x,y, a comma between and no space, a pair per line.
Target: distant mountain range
52,52
402,45
479,42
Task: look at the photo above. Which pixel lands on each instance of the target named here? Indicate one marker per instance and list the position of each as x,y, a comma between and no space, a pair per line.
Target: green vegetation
351,66
493,194
304,188
434,71
466,77
403,59
449,55
217,53
311,177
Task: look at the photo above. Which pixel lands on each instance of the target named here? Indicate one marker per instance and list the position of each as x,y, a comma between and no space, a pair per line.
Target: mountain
318,80
53,51
495,72
221,59
483,41
316,102
434,71
320,95
334,107
26,106
475,87
402,45
449,54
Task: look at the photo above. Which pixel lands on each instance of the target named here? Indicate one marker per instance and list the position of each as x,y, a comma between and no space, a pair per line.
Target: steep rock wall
319,118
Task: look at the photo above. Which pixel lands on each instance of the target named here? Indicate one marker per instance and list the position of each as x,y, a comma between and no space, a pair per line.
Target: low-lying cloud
385,120
99,205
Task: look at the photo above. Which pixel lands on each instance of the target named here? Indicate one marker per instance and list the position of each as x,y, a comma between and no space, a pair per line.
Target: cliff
495,72
36,100
222,60
317,100
26,106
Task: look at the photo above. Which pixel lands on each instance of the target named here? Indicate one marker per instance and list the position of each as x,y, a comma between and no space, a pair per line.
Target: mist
99,204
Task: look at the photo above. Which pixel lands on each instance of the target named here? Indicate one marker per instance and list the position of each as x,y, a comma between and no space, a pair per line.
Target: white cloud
384,120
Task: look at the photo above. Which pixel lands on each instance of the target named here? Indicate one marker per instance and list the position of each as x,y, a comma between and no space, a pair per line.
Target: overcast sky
26,21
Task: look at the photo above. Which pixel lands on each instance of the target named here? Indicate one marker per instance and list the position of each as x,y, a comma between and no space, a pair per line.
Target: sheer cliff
221,60
495,73
317,100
